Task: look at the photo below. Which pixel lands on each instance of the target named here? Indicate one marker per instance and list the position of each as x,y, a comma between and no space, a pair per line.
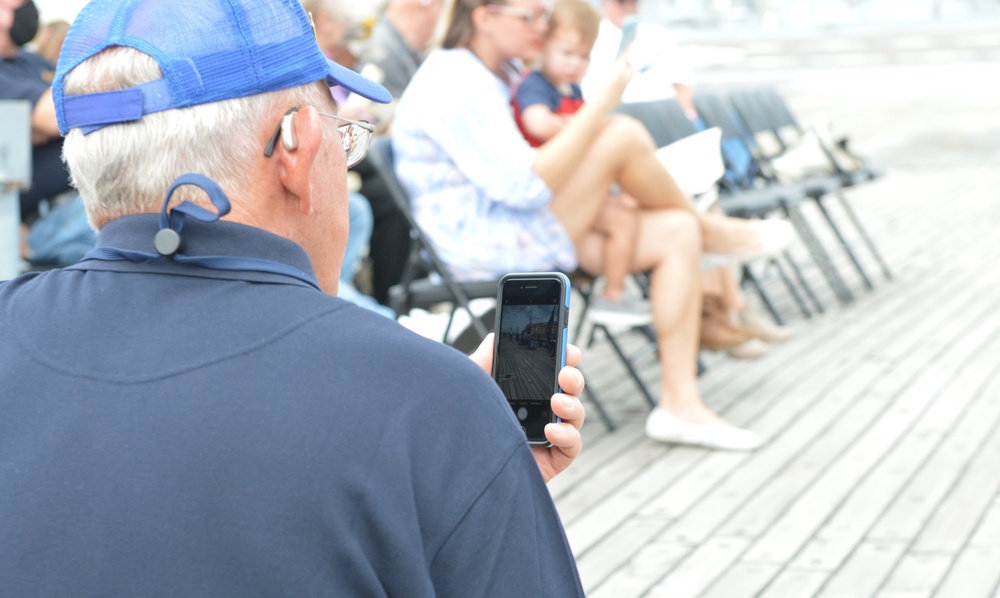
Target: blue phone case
510,325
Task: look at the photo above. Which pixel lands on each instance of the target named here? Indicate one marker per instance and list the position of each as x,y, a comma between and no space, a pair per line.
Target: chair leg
792,289
751,278
846,206
628,365
582,314
804,283
845,244
590,395
819,254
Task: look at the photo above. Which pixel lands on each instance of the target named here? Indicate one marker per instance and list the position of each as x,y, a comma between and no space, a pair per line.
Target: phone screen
530,348
630,27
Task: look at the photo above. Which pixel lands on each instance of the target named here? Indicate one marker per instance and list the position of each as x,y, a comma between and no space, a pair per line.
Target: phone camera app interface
526,357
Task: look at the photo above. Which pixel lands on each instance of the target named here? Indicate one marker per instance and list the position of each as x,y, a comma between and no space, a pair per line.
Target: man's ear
301,135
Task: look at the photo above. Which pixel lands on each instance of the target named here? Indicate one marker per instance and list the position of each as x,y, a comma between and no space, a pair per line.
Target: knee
681,231
629,132
632,132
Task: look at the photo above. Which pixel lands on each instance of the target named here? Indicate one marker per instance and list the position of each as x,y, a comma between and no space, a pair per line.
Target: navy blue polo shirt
26,77
170,430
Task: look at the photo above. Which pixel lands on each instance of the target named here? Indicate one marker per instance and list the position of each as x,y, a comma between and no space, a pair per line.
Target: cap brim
345,77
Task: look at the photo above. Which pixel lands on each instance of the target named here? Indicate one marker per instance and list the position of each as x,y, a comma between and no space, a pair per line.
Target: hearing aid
288,132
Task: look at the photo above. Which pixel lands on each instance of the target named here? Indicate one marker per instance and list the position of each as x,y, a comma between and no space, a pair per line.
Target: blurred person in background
398,43
49,40
400,40
491,203
545,100
332,21
662,69
54,228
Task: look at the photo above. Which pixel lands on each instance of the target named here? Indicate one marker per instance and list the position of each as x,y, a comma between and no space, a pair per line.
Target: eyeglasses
355,136
529,16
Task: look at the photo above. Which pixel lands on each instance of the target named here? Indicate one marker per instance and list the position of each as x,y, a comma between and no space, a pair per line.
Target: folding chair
667,123
763,110
426,280
715,112
786,128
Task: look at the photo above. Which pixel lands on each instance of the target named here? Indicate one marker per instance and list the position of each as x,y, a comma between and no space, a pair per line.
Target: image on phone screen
529,351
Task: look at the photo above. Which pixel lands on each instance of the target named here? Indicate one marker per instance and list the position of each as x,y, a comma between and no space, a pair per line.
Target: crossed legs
623,153
671,238
669,246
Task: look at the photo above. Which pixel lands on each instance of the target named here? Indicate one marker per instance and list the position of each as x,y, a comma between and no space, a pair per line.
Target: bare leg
669,244
623,152
619,224
722,283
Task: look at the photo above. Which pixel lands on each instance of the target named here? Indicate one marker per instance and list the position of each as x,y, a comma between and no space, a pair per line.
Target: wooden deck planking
916,576
974,573
952,524
529,372
864,572
834,540
854,409
782,538
921,495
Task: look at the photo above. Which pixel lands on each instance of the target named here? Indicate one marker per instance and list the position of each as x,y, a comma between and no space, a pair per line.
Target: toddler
546,98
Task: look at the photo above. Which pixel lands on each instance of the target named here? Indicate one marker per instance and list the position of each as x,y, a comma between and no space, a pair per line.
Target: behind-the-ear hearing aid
288,132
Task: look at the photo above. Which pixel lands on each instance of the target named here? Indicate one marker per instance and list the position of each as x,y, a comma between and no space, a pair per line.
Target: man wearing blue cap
185,412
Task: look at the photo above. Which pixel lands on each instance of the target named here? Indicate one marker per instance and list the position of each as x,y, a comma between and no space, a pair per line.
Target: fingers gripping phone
530,346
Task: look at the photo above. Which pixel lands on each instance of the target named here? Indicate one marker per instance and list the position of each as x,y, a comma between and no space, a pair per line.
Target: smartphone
530,346
630,27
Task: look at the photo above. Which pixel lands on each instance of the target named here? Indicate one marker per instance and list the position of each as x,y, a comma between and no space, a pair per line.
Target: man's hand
565,435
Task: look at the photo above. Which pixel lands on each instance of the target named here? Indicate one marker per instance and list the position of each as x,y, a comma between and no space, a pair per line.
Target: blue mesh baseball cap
208,50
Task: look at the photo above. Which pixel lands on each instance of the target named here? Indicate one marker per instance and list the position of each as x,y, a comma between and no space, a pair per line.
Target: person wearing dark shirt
27,76
189,411
397,45
54,228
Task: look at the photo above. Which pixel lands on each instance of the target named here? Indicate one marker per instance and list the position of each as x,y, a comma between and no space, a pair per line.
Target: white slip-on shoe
664,427
775,236
631,311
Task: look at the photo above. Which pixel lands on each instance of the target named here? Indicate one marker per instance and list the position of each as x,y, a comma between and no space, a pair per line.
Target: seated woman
492,204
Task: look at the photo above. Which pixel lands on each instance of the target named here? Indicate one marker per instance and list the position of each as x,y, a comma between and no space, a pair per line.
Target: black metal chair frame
667,122
764,111
426,280
715,111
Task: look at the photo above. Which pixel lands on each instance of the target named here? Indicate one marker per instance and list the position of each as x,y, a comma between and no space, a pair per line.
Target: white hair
127,168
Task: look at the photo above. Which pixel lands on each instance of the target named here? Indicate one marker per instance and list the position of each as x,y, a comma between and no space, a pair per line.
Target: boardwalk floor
880,472
880,476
